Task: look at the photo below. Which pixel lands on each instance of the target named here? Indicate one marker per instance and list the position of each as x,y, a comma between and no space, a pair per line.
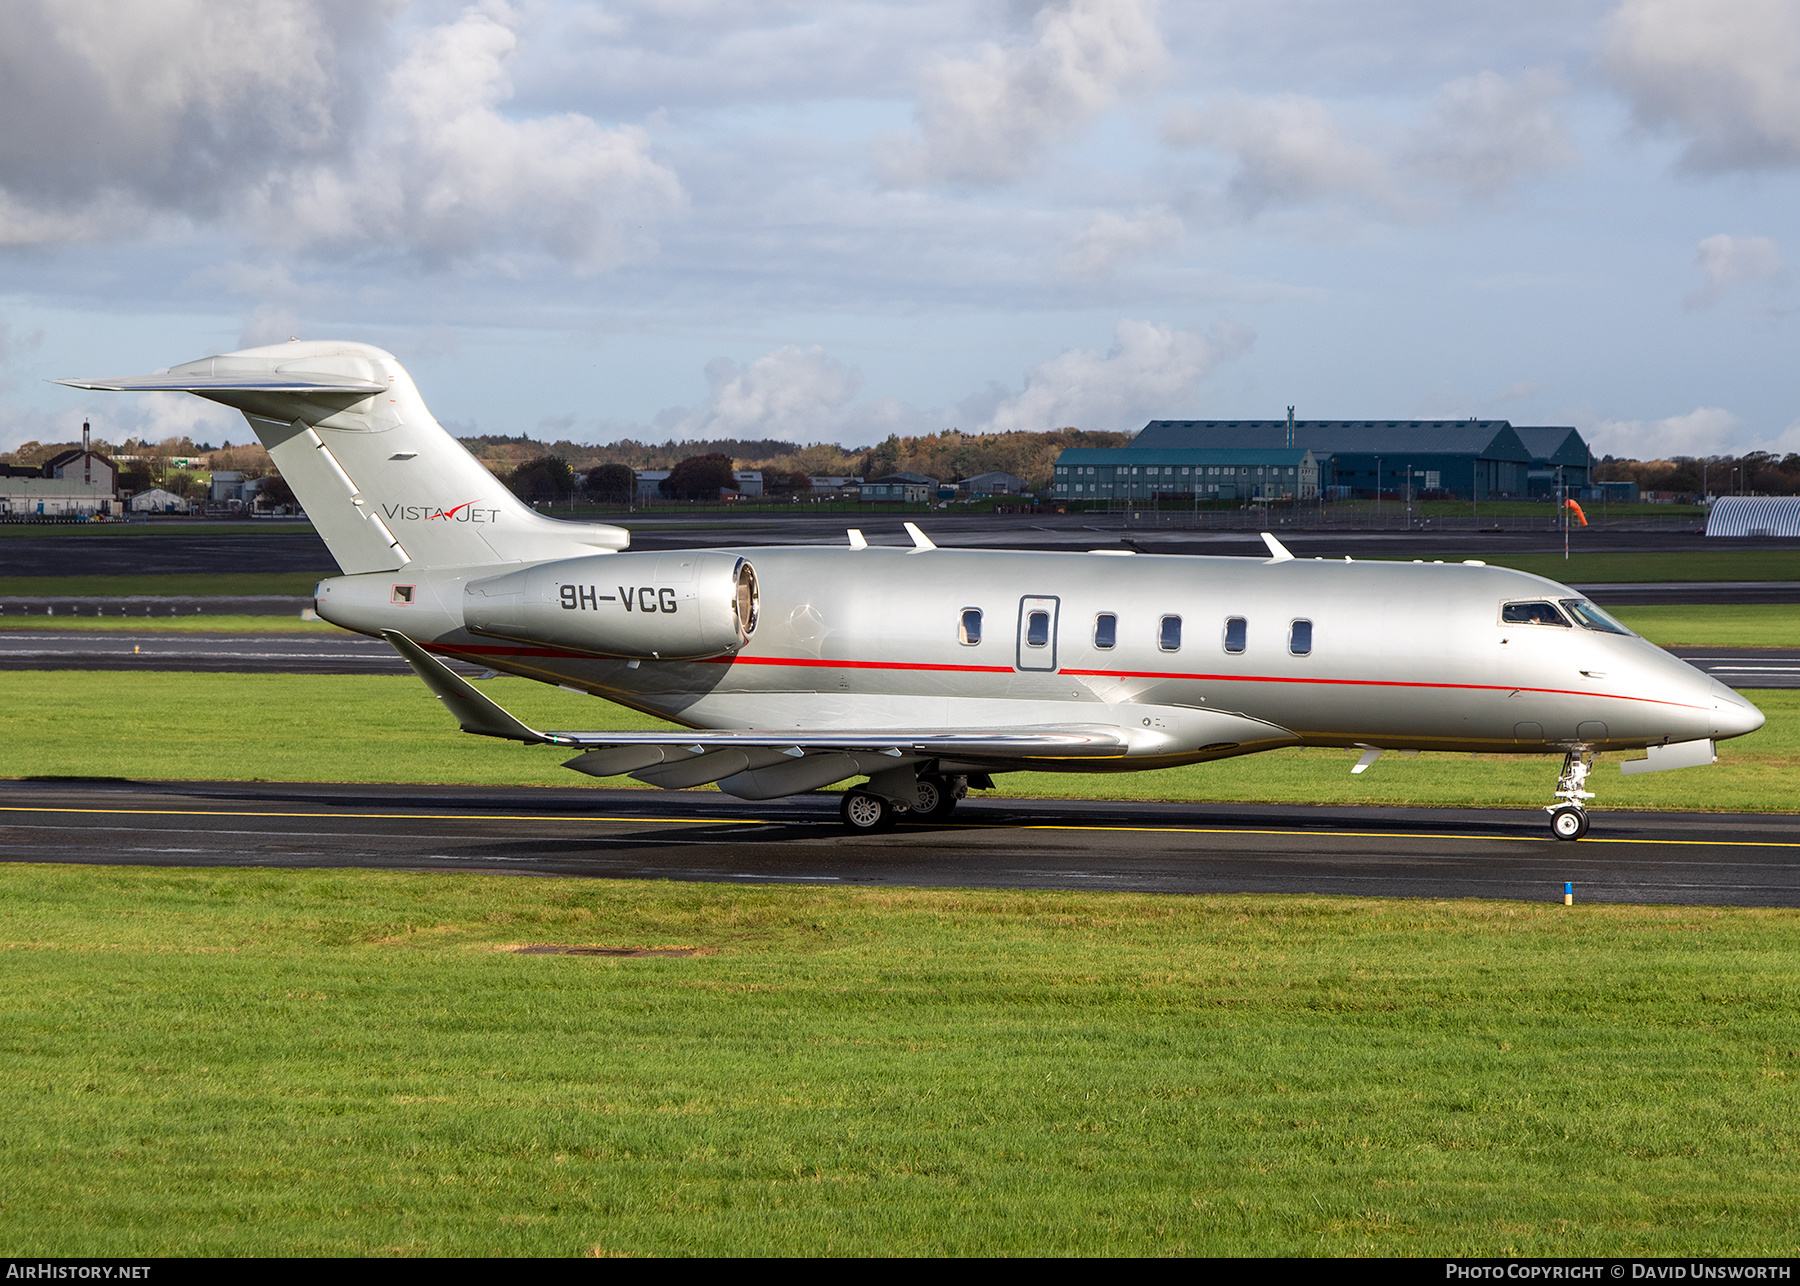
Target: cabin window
968,628
1300,638
1531,614
1235,630
1106,630
1590,617
1037,629
1168,637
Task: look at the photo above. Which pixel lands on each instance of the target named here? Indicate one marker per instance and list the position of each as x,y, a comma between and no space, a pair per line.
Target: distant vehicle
928,670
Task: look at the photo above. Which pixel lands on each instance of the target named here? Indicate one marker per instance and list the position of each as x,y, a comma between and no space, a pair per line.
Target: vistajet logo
467,511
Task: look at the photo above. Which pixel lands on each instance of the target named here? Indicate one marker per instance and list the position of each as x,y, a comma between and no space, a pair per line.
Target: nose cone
1732,716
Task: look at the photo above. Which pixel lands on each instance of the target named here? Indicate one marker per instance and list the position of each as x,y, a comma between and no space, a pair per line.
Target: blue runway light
1568,893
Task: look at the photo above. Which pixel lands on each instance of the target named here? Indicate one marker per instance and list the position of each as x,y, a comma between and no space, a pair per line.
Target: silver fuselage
1403,655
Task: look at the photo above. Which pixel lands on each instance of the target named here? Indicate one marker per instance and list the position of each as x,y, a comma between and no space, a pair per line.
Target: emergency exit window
968,629
1235,630
1037,629
1106,630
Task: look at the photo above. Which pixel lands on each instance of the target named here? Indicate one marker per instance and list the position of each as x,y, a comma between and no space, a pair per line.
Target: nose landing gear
1569,819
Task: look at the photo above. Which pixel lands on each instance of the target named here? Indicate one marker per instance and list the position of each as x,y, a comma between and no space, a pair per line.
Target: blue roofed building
1466,458
1559,457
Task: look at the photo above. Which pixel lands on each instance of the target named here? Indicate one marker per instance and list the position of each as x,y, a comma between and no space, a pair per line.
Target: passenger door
1037,633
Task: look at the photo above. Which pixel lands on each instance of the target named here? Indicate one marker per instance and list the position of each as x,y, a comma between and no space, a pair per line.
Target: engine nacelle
670,607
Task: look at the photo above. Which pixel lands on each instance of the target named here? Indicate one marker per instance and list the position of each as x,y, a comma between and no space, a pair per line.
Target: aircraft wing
482,716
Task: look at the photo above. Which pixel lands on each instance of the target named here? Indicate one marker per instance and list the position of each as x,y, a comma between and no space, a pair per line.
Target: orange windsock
1577,509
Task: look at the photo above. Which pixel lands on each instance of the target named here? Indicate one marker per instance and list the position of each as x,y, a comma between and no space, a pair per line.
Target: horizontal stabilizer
473,711
284,383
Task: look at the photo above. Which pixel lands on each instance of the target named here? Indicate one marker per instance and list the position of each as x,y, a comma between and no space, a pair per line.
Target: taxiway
1689,858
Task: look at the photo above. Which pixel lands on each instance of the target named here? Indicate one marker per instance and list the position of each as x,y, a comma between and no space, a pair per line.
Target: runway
338,652
1676,858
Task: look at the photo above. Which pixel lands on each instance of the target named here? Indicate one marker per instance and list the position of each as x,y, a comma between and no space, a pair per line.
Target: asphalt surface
322,652
344,653
270,548
1684,858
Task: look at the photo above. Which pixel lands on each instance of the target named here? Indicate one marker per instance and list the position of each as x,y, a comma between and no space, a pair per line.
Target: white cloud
1728,262
795,394
447,177
803,395
1150,370
116,114
1110,240
1725,78
1483,133
1480,134
1703,431
1288,150
985,120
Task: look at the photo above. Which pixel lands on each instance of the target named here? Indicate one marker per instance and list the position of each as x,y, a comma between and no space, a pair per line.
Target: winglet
856,539
920,540
473,711
1278,552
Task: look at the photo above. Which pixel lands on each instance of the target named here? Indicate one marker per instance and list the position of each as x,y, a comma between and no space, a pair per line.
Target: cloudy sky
832,221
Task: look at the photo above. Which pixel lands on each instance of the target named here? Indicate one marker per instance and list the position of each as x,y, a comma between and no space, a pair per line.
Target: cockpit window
1590,617
1532,614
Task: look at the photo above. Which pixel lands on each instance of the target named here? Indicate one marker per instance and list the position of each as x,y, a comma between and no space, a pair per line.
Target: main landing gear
1569,819
866,812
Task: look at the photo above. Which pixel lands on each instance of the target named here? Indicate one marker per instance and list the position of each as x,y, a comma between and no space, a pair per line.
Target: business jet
927,671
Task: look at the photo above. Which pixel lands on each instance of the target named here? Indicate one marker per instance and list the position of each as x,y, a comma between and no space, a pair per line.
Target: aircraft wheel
937,800
1569,822
865,814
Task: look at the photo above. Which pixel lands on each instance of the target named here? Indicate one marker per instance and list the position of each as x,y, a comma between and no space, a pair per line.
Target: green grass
155,527
1650,567
376,728
194,584
1710,625
342,1063
193,623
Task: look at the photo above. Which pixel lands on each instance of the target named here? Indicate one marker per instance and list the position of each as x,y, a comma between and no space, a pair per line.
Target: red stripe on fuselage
821,663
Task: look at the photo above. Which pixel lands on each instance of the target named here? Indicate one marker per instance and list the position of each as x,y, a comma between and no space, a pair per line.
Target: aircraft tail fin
384,484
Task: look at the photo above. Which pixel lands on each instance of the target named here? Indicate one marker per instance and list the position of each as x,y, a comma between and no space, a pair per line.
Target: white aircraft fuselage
925,668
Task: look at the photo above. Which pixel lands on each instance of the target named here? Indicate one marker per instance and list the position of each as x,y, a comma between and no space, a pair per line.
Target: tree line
1760,473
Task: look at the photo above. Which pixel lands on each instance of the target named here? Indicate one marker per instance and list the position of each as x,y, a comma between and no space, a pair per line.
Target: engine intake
670,607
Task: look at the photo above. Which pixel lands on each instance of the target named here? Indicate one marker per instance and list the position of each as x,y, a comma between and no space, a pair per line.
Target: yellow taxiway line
1022,826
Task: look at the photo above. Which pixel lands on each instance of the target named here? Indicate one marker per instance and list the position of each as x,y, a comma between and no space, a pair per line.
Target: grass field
291,584
198,622
348,1063
155,527
1713,625
373,728
1651,567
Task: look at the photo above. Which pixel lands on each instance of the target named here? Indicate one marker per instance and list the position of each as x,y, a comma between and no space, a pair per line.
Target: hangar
1232,473
1468,458
1754,516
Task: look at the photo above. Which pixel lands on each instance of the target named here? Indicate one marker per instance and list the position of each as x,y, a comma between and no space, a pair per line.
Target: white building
74,483
157,501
